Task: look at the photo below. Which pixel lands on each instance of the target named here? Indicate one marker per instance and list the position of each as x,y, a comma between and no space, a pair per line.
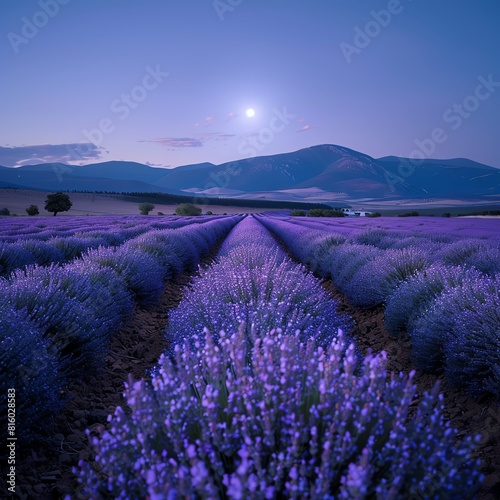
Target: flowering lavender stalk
295,421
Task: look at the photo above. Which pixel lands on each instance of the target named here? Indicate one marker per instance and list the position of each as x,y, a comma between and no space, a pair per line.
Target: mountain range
326,173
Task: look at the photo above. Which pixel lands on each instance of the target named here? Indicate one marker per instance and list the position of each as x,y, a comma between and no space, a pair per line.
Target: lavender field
254,381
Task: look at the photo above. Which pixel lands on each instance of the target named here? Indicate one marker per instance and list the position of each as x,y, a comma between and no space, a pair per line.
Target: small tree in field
58,202
32,210
187,209
4,211
145,208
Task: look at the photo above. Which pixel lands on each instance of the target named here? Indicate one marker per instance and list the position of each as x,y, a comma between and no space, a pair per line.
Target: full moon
250,112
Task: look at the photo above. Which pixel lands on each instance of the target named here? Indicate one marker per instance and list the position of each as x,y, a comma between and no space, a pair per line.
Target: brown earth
45,469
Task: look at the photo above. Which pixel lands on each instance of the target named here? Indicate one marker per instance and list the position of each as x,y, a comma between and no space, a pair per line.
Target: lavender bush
380,238
100,288
77,334
459,251
13,256
378,278
487,260
321,249
44,252
416,294
27,364
434,328
73,246
164,251
473,349
142,275
344,262
295,422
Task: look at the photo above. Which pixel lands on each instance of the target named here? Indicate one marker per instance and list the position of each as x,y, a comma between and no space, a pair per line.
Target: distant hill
115,176
318,173
445,178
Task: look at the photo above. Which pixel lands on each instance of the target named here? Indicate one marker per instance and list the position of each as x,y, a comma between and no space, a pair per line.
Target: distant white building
355,213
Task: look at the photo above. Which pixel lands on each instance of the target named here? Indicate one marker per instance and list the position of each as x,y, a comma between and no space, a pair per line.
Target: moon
250,112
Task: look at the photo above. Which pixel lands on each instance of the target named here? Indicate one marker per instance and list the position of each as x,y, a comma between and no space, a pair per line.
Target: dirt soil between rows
45,469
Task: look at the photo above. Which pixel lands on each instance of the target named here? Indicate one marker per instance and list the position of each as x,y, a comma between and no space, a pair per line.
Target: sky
169,83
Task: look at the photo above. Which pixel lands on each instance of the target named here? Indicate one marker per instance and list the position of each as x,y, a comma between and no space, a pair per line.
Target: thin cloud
305,128
190,142
178,142
48,153
218,136
150,164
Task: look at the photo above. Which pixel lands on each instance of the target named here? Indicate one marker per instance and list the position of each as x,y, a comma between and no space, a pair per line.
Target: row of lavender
446,296
43,228
454,228
56,321
272,401
58,240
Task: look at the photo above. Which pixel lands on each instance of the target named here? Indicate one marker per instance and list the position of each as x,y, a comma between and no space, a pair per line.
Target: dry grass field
17,201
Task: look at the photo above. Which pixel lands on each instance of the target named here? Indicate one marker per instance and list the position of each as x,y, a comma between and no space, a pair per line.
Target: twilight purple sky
169,82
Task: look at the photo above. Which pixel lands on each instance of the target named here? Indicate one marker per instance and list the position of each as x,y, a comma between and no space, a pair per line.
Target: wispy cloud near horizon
17,156
177,142
190,142
305,128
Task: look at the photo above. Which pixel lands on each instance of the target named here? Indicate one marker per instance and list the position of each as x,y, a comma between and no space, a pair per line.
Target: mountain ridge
338,171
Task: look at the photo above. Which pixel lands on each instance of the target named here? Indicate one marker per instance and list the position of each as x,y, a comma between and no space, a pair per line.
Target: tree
187,209
4,211
58,202
314,212
145,208
32,210
298,213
